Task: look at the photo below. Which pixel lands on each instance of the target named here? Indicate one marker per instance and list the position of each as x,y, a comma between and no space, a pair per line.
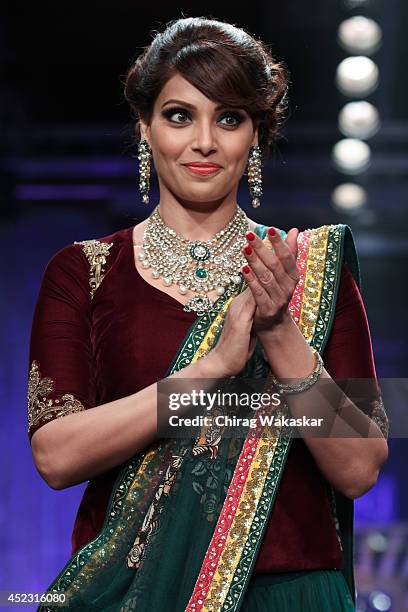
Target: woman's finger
264,251
263,300
243,304
265,274
291,240
286,250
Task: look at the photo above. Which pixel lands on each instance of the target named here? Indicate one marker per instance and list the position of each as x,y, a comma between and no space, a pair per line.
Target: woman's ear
255,139
144,130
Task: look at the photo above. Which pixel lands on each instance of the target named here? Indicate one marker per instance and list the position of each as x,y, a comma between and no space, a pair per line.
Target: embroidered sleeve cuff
41,407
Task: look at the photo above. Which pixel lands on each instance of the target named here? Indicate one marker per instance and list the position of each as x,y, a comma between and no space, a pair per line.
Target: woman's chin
201,195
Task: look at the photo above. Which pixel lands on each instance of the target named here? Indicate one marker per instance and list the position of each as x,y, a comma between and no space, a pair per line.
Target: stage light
357,76
348,198
380,601
359,35
351,155
377,542
359,120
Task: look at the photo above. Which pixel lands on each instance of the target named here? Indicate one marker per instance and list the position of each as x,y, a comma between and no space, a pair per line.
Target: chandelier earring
255,175
144,156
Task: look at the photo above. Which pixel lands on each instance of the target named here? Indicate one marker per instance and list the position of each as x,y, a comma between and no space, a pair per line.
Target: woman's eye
236,119
175,113
179,116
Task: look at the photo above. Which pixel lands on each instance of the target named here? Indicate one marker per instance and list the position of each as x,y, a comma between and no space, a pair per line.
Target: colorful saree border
231,555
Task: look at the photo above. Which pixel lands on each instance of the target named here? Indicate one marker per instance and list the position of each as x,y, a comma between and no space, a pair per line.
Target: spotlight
351,155
359,120
359,35
357,76
380,601
348,198
377,542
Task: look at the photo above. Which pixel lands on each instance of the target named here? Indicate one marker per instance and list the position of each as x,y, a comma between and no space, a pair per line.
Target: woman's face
188,127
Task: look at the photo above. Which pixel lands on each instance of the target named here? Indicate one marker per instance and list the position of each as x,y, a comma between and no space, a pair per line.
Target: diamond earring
254,175
144,155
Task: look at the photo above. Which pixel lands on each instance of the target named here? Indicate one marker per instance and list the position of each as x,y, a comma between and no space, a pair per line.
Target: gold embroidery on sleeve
42,409
96,253
379,416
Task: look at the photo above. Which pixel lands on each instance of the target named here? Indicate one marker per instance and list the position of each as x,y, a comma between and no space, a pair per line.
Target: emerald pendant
201,273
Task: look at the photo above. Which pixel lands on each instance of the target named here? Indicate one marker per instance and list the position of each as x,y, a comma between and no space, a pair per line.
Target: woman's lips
203,169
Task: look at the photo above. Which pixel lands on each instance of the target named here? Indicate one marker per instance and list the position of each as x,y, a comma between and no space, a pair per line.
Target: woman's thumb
250,302
252,345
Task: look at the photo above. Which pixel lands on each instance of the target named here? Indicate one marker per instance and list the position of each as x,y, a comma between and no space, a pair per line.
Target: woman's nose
204,137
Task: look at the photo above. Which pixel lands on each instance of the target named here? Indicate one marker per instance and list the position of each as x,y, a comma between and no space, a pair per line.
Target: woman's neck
199,223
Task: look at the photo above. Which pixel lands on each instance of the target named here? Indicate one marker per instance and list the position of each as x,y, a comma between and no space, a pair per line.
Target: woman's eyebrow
188,105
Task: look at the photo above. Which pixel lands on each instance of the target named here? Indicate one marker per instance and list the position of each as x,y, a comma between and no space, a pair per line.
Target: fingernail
248,249
246,269
271,231
250,235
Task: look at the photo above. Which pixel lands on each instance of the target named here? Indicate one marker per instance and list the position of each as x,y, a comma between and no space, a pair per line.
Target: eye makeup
169,112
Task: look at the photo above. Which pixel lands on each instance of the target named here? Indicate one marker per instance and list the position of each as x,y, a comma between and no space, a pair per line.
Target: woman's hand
236,344
272,276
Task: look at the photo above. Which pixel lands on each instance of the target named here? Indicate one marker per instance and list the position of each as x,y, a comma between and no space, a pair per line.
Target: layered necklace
195,265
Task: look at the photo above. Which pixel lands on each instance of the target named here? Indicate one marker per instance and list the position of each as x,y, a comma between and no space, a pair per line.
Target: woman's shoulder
88,258
98,250
93,245
103,244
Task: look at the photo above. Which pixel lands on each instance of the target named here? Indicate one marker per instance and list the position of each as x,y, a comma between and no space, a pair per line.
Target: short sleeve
349,354
60,376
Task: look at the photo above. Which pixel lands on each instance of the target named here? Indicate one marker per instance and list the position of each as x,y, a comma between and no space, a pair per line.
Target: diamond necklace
195,265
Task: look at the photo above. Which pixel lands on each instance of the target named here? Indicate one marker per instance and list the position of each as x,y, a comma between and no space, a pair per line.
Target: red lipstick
203,168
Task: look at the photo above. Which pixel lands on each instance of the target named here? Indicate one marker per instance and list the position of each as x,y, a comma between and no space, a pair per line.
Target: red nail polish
248,249
250,235
246,269
271,231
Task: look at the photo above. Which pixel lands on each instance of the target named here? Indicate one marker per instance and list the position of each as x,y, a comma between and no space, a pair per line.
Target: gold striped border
212,332
314,276
242,522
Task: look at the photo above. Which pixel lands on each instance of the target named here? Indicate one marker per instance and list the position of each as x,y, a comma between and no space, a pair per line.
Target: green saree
186,517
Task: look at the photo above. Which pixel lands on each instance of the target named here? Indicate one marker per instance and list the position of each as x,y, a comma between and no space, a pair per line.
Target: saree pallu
186,517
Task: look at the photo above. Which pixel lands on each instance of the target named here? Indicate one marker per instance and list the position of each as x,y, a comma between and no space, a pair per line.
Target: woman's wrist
211,366
287,351
279,331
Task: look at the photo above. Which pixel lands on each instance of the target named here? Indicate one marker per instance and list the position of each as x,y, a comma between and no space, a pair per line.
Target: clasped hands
271,277
262,308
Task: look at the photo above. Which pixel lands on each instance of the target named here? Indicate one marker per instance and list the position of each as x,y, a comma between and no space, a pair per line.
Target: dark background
69,172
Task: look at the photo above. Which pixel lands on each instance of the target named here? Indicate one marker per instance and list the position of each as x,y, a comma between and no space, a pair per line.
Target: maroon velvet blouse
106,340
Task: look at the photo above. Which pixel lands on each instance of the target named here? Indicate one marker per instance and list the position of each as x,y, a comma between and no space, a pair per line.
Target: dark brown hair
226,63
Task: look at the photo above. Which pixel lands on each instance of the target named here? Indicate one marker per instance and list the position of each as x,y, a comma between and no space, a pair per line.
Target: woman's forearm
354,450
82,445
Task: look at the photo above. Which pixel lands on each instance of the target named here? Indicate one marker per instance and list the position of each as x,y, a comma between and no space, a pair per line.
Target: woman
198,290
